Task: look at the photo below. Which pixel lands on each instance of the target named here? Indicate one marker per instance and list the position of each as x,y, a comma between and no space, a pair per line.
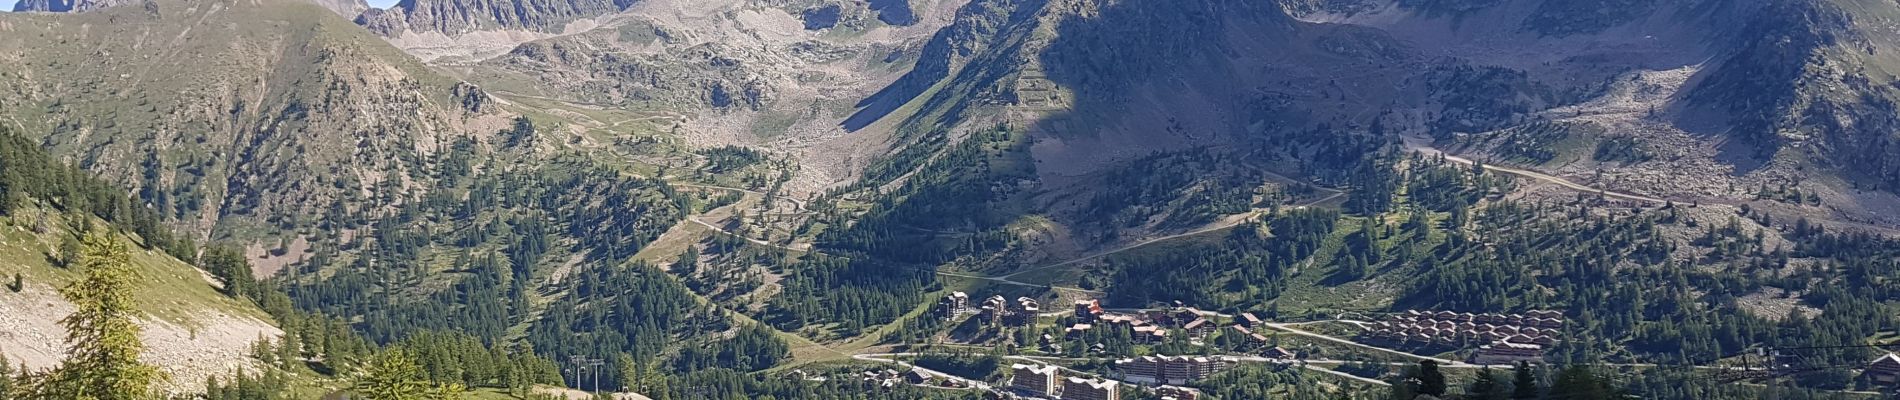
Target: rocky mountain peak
454,17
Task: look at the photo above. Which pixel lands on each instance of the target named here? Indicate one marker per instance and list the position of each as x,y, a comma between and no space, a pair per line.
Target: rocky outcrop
345,8
43,6
894,12
823,17
454,17
65,5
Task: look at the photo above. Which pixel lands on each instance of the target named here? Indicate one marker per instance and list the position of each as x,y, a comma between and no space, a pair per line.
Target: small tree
6,377
69,251
1431,381
391,375
1524,382
1486,386
102,339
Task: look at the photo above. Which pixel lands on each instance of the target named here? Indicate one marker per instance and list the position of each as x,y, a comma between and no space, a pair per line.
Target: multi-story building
1144,369
953,304
1034,380
1176,370
1090,389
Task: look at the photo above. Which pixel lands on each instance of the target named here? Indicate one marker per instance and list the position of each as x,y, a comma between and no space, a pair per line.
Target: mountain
64,6
705,193
190,326
346,8
291,119
460,17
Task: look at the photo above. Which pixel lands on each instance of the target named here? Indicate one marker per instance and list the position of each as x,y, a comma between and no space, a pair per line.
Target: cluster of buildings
1512,337
1046,381
1149,326
994,310
1172,370
887,378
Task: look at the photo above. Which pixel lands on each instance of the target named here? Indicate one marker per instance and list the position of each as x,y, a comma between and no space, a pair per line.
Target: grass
170,290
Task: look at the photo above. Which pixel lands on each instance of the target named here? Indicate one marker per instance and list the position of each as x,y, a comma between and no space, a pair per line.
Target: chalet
1884,370
1278,353
1088,310
1186,315
1506,352
917,376
1078,329
1249,320
1198,328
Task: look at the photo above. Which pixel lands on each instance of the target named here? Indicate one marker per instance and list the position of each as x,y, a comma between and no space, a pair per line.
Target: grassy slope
169,289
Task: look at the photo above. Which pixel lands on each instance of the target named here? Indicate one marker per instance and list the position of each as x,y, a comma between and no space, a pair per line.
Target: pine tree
212,389
392,375
1431,381
6,377
1486,386
102,335
1579,382
1524,383
628,371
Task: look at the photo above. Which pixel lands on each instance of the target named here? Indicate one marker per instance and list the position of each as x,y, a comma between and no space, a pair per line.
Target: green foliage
641,311
969,188
754,347
854,293
1622,149
391,375
230,267
6,377
1190,187
1252,260
724,384
521,134
103,345
729,158
1524,382
462,359
493,236
1270,382
1486,386
268,385
971,365
1580,382
28,173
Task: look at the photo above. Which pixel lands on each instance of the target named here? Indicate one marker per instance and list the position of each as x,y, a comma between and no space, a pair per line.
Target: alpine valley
950,199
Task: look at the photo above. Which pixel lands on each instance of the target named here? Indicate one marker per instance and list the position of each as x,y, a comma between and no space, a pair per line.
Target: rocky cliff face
453,17
346,8
66,5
